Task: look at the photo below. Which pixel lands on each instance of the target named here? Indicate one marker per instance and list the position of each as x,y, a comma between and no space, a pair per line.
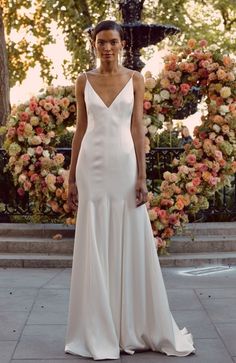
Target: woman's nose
107,46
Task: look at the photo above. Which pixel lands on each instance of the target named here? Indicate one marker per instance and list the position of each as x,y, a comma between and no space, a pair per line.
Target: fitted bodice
117,115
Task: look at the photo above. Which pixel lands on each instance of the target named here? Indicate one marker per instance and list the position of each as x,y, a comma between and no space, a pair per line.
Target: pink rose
218,155
21,192
184,88
24,116
147,105
196,181
191,189
27,185
191,159
203,43
34,177
197,143
173,219
172,88
213,180
39,150
33,105
11,132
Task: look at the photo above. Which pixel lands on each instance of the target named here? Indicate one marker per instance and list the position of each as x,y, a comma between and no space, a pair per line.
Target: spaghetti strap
85,73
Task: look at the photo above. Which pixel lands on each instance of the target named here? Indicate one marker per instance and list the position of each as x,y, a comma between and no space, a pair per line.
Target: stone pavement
34,303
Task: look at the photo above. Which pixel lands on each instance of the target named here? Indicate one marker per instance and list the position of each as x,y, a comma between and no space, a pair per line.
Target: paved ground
33,313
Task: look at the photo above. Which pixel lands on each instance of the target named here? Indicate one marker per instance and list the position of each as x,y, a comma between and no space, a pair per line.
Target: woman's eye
114,42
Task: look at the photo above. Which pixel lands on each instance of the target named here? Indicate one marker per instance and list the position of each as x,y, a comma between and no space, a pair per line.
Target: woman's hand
72,198
141,192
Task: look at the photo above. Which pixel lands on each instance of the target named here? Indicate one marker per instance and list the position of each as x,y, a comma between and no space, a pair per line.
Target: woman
118,300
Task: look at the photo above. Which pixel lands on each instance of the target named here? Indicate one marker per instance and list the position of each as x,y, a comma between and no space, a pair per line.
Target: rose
150,83
147,96
221,74
216,128
179,204
147,120
191,189
35,140
152,214
191,159
225,92
172,88
165,95
152,129
184,88
59,159
218,155
183,169
14,149
64,102
191,43
39,150
203,43
147,105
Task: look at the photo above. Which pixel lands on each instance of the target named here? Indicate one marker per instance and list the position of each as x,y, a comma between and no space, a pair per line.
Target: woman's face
108,45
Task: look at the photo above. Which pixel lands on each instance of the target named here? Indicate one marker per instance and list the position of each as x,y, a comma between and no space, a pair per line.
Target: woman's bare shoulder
80,82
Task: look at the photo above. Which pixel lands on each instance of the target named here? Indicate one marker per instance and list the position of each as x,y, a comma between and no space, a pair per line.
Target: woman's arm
81,126
137,131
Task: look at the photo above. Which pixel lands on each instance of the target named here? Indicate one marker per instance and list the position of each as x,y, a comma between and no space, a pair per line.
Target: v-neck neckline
121,90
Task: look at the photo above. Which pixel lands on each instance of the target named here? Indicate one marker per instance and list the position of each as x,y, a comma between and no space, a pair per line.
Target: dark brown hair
107,25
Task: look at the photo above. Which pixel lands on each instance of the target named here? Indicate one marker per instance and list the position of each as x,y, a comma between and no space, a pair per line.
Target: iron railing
223,203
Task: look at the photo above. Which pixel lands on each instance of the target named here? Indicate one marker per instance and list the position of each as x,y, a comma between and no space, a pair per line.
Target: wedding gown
118,301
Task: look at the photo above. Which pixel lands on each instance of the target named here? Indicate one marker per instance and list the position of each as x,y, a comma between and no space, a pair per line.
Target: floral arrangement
32,131
209,161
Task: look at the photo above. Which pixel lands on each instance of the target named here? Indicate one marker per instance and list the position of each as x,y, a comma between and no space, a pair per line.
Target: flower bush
209,161
33,130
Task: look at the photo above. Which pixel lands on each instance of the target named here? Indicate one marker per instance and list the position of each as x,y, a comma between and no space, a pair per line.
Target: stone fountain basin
142,35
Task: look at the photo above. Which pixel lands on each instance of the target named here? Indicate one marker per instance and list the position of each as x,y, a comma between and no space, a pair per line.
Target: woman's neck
108,68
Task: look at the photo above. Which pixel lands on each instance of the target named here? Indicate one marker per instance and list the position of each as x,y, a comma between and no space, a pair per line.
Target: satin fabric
118,301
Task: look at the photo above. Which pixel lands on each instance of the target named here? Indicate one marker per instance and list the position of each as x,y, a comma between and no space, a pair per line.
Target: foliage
32,21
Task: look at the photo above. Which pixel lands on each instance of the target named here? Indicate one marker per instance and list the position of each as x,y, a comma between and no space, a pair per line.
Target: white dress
118,300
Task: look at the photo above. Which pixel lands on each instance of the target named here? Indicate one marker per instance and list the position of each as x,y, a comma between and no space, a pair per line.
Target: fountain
139,35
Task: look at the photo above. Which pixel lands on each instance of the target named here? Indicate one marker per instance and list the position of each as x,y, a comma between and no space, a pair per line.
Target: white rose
152,129
46,153
213,47
30,151
22,178
47,140
223,109
156,98
216,128
165,95
161,117
44,172
62,171
147,121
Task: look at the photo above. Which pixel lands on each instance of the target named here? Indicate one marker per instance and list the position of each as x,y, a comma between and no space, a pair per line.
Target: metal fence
221,206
